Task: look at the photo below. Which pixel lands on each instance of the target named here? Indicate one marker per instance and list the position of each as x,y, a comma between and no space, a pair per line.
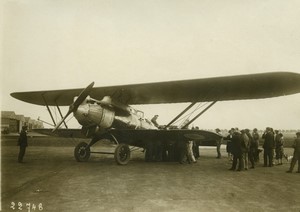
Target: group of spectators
243,147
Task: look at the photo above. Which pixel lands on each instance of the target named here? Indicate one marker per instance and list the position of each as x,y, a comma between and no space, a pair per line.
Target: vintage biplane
104,112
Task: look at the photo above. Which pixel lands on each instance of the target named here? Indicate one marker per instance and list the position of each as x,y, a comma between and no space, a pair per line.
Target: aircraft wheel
122,154
82,152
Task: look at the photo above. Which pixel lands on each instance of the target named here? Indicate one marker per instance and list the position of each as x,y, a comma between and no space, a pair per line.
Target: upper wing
252,86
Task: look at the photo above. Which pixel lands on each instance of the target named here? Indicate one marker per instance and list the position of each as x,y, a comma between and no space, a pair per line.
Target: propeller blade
82,96
73,107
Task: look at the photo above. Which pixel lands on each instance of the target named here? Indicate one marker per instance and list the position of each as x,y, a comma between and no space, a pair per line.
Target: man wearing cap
22,142
296,156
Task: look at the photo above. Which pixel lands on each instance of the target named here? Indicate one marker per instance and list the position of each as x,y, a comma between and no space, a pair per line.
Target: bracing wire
188,115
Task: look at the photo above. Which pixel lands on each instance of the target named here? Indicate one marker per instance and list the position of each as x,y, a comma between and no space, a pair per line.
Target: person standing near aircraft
190,154
22,142
186,148
296,156
276,141
252,149
229,144
182,149
153,150
149,152
218,143
273,149
255,137
196,151
268,147
157,151
237,151
279,141
245,148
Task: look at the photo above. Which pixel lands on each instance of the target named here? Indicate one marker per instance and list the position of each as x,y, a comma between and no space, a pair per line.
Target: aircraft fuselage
99,117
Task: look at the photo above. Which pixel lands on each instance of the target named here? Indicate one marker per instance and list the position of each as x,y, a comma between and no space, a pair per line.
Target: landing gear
82,152
122,154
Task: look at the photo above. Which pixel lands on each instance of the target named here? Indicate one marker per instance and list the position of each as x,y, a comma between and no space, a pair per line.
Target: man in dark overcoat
22,142
296,156
237,151
268,146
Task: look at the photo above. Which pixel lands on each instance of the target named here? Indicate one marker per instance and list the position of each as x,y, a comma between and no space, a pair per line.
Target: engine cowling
94,115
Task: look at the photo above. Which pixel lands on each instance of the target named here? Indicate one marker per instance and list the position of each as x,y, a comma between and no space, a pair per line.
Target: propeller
74,106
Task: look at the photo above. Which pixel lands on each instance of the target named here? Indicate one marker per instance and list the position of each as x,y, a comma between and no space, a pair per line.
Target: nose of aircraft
74,106
81,114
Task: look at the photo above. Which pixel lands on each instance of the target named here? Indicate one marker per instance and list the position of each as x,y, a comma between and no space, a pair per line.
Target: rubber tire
81,152
122,154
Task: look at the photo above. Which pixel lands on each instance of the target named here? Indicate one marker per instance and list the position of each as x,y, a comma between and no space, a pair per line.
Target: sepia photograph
139,106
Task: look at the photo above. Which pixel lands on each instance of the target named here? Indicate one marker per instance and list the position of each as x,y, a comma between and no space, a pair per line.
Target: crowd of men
243,146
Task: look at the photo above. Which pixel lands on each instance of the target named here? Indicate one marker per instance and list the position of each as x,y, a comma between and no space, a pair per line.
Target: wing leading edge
252,86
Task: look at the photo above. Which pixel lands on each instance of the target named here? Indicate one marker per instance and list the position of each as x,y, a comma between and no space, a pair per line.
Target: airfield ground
51,177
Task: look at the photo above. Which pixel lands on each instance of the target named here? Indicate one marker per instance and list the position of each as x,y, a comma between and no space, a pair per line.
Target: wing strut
61,114
203,111
180,114
48,109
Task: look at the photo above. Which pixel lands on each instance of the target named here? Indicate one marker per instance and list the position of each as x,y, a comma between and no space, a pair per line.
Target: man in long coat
269,146
237,152
22,143
296,156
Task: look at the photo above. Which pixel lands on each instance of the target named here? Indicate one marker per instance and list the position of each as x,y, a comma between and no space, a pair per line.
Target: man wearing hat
22,143
296,156
255,137
218,143
268,146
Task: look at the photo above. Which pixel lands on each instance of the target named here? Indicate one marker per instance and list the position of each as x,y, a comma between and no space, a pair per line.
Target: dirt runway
51,180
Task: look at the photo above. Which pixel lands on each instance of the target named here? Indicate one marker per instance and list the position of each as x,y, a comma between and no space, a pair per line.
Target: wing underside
141,138
252,86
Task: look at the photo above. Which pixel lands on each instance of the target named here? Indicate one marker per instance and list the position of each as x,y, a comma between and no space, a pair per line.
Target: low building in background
12,122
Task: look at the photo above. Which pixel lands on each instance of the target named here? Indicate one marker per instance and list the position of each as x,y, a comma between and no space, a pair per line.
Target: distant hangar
12,122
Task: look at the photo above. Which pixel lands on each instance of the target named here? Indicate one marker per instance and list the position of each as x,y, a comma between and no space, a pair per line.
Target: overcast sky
50,44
